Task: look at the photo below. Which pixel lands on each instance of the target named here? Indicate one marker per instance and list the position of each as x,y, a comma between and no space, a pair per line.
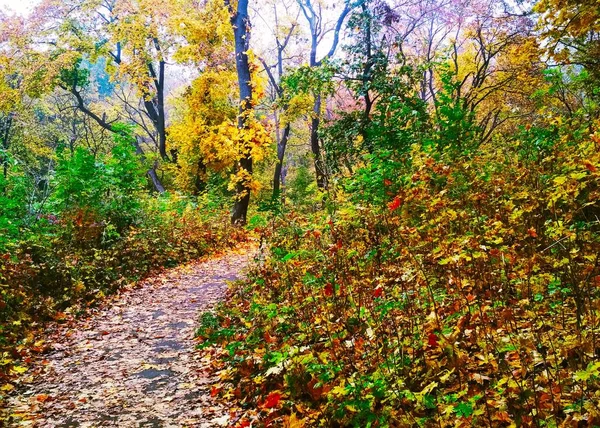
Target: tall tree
240,22
314,15
129,36
282,33
368,55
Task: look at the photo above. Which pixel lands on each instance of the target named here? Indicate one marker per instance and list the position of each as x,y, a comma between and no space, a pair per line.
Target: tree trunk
152,171
241,26
160,106
5,134
156,181
280,155
240,207
316,147
156,113
314,20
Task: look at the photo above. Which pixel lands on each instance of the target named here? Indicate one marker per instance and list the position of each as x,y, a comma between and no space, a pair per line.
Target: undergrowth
467,295
97,231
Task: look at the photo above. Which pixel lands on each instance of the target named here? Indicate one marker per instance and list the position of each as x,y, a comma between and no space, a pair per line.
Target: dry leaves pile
132,362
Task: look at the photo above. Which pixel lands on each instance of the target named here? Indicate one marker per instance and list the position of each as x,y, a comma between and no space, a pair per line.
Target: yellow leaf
578,175
7,387
340,390
19,369
444,378
560,180
292,421
429,388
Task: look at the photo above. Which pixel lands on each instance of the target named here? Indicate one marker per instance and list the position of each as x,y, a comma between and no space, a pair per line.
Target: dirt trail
132,363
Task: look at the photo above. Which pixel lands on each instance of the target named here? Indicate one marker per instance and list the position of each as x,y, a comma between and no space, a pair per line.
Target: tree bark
240,22
315,145
5,135
316,31
281,146
154,104
155,180
152,171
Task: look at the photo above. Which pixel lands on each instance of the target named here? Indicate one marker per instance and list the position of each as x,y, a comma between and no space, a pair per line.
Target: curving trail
132,363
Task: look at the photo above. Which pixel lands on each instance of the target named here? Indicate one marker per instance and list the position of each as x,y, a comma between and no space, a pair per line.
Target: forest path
132,362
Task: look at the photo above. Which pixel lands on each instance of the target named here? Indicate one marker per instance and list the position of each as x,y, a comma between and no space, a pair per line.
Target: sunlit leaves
206,132
432,305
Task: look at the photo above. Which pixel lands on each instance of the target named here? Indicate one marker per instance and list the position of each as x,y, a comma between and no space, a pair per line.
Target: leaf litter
132,362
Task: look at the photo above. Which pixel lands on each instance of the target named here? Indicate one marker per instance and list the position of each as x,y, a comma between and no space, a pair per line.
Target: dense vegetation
95,231
423,178
469,299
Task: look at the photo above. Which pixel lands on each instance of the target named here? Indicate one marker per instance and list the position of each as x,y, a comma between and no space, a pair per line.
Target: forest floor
132,362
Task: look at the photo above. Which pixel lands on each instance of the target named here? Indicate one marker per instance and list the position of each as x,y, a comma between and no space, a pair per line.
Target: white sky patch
18,7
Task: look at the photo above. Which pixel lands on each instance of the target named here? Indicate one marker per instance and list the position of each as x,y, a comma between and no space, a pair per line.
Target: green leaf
463,410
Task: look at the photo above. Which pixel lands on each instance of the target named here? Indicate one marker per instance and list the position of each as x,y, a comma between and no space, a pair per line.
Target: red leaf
387,182
590,167
272,400
378,292
395,204
432,339
328,289
215,391
531,232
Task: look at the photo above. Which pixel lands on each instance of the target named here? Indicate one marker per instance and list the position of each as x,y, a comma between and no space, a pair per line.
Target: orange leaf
502,416
590,167
268,338
42,398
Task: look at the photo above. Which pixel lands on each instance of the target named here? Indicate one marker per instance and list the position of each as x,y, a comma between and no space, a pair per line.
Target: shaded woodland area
422,177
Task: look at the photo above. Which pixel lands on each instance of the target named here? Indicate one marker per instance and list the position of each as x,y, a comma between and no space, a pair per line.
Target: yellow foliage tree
206,131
